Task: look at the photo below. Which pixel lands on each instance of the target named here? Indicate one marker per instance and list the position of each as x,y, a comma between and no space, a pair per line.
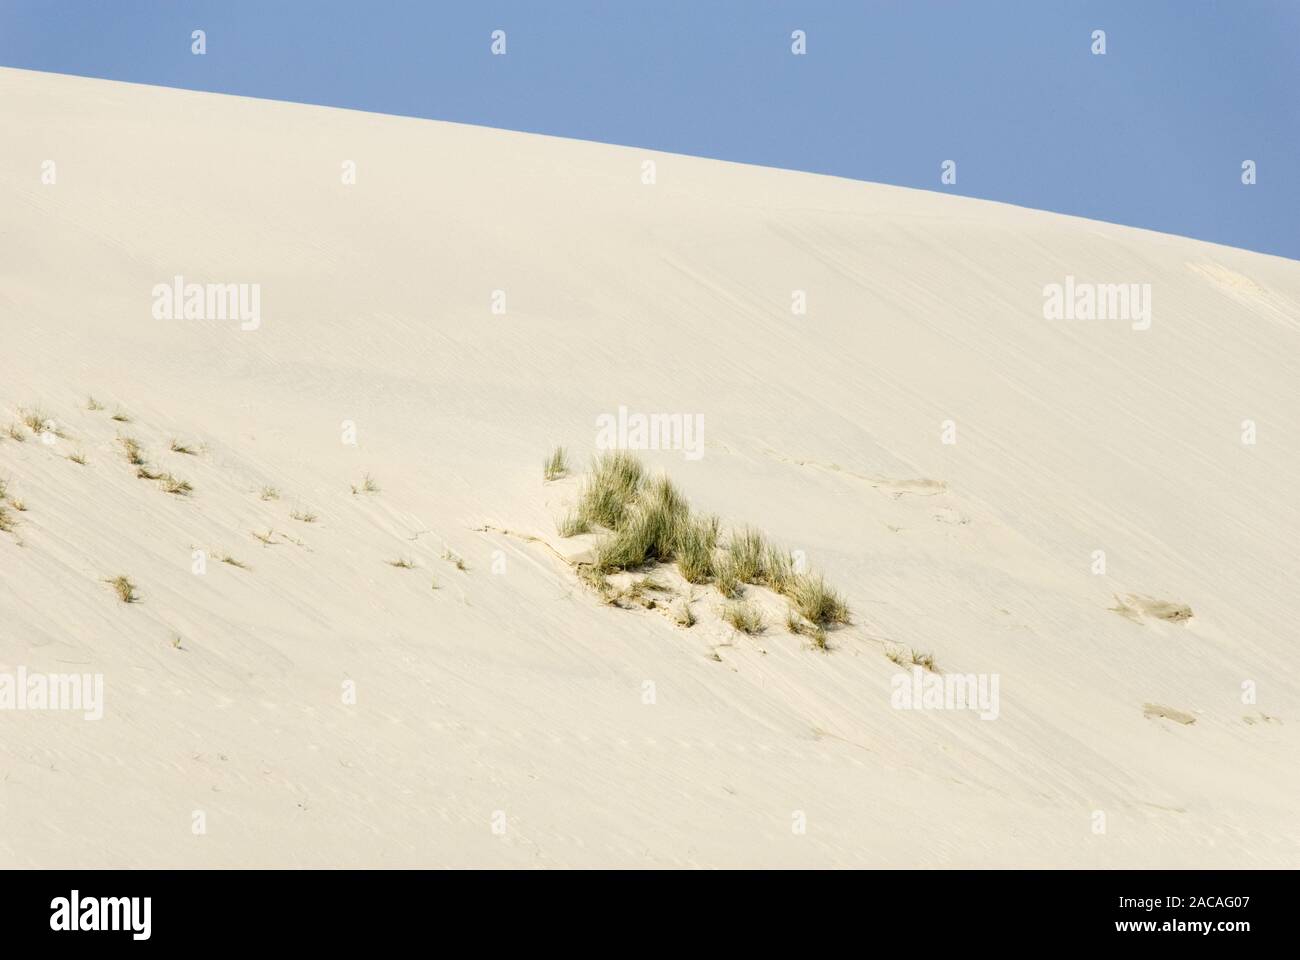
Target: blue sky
1152,134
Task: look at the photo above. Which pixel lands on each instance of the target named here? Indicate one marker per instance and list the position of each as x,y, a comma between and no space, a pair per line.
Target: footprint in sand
1153,710
892,487
1135,606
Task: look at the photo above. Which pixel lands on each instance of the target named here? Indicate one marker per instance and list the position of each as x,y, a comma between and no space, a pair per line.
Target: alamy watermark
923,690
77,913
651,431
21,690
1098,301
179,300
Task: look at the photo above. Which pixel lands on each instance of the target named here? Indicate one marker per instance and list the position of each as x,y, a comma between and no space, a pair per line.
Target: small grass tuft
134,452
367,485
572,523
401,563
78,457
93,404
454,559
178,447
267,539
817,601
556,465
170,484
36,420
925,660
796,624
228,559
269,493
124,588
15,433
744,616
121,417
305,516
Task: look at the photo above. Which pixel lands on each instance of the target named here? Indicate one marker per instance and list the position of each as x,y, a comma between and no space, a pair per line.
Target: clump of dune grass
144,473
367,485
133,451
778,570
178,447
610,488
6,520
899,656
454,559
124,588
725,577
433,583
268,538
649,529
93,404
816,600
121,417
305,516
755,560
401,563
228,559
697,538
744,616
269,493
15,433
556,465
748,551
650,521
4,488
18,504
78,457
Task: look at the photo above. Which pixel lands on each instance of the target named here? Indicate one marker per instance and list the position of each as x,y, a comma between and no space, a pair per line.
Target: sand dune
477,297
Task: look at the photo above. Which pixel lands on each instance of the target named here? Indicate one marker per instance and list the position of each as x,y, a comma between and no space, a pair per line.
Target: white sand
517,691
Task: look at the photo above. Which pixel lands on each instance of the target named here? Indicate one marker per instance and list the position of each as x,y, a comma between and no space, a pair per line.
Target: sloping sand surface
320,706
